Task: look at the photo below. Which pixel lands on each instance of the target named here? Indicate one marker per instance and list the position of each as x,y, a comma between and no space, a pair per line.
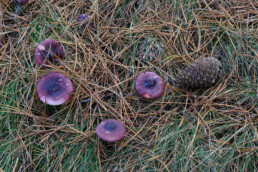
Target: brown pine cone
203,72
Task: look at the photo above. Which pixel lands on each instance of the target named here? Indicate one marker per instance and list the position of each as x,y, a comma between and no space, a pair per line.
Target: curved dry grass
205,130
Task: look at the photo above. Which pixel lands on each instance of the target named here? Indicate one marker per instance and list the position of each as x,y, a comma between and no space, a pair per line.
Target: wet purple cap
22,2
85,18
54,88
111,130
48,51
149,85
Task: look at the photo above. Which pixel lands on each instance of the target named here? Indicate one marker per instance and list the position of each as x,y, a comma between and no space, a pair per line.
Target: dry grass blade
211,129
1,21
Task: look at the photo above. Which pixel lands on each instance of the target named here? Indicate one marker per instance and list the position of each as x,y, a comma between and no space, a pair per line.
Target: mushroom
149,85
111,130
54,88
48,51
84,19
22,2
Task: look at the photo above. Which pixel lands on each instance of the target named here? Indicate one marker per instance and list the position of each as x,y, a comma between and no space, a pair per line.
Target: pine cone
204,72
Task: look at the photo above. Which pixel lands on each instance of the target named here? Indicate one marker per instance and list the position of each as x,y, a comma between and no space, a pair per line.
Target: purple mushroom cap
54,88
149,85
48,51
111,130
84,19
22,2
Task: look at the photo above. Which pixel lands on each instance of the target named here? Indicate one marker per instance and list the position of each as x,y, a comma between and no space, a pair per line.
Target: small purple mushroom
84,19
22,2
48,51
149,85
54,88
111,130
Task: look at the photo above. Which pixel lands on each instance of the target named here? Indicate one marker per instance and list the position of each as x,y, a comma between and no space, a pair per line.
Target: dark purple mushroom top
22,2
149,85
111,130
54,88
84,19
48,51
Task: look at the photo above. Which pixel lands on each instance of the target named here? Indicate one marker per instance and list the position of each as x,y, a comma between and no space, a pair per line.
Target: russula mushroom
48,51
22,2
149,85
54,88
84,19
111,130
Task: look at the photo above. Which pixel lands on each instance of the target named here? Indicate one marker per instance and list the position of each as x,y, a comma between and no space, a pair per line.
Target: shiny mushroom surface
149,85
54,88
48,51
111,130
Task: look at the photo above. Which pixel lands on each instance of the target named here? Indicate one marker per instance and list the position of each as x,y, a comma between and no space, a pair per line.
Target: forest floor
211,129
